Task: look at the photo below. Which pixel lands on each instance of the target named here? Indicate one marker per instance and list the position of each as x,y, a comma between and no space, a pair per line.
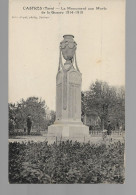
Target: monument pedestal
68,130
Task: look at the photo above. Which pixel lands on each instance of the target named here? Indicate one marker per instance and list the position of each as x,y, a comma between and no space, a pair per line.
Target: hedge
66,163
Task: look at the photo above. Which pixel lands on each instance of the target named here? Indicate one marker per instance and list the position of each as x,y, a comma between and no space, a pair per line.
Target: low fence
113,133
96,135
21,132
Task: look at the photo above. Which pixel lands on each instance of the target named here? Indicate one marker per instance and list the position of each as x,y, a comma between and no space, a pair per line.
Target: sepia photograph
66,90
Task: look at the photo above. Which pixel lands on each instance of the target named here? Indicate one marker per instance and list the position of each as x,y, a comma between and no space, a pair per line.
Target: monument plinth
68,94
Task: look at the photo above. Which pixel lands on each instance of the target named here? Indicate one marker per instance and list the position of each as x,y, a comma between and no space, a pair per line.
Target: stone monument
68,94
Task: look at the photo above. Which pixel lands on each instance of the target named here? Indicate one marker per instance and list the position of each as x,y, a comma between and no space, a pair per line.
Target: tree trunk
102,124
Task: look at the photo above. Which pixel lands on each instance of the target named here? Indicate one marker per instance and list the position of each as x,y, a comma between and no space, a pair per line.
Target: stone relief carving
74,77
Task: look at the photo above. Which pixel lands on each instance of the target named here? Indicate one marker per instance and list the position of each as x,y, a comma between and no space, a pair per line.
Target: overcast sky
34,47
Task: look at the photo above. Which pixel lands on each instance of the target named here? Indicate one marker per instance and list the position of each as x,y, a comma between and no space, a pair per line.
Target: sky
34,46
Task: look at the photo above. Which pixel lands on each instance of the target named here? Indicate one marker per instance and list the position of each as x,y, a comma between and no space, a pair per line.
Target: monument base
68,130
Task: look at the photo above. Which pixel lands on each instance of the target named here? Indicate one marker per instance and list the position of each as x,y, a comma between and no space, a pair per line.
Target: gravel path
52,139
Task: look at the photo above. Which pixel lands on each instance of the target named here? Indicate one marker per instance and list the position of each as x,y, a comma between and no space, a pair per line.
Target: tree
34,106
12,114
51,117
117,112
103,100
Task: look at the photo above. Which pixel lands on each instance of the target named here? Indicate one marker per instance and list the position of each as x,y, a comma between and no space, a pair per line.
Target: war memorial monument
68,94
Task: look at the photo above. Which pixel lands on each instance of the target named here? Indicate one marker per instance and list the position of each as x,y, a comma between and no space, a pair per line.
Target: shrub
66,163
